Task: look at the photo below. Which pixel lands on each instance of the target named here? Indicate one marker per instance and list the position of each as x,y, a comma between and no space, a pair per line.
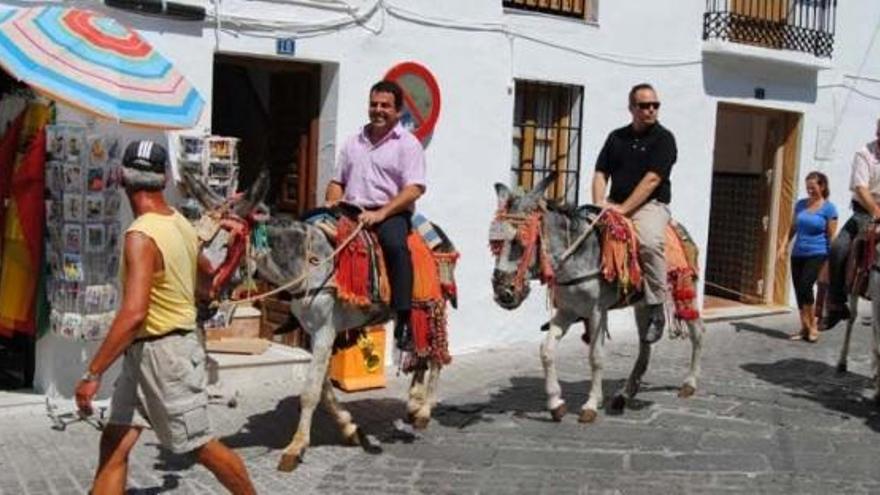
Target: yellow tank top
173,291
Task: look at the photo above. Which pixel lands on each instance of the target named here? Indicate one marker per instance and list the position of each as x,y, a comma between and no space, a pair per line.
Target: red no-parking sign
421,97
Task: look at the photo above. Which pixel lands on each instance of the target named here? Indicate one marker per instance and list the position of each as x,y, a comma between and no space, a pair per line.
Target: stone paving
770,416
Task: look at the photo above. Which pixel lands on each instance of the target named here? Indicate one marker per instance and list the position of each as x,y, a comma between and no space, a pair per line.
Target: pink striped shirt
372,174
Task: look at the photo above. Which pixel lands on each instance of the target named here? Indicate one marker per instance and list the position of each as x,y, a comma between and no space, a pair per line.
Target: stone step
232,373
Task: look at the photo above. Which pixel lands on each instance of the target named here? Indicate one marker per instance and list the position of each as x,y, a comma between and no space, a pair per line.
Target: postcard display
213,159
82,221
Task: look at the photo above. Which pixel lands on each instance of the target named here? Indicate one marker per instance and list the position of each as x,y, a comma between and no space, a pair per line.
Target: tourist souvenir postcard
111,206
73,207
94,207
73,269
97,151
73,235
71,325
73,177
95,234
113,237
75,143
191,148
93,327
95,179
94,298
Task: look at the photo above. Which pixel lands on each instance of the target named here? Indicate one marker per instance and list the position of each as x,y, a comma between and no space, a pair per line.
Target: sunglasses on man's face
644,105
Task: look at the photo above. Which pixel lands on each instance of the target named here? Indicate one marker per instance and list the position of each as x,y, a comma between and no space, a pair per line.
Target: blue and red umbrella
95,63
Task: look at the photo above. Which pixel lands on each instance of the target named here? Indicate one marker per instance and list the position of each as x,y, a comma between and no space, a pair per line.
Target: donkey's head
515,241
235,216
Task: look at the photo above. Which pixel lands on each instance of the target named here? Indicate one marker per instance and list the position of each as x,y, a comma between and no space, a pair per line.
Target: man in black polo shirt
637,159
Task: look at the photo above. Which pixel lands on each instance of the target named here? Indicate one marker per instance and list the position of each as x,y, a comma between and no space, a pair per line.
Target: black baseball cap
146,156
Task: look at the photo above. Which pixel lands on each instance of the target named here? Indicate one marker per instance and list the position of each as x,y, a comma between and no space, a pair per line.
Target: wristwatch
88,376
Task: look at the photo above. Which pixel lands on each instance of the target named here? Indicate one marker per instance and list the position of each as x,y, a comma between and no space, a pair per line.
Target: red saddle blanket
361,280
860,261
620,263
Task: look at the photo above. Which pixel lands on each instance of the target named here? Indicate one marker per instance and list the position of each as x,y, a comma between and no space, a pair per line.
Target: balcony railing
800,25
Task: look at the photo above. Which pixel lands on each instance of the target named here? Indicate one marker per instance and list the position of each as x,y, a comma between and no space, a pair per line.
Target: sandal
799,335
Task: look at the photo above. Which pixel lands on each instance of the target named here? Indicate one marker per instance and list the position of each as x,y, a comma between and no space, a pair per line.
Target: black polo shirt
627,156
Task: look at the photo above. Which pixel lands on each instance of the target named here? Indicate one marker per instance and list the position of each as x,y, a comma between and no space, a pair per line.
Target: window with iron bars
580,9
547,137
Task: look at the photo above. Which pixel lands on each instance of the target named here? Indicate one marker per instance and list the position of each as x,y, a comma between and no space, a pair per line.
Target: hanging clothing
20,265
8,148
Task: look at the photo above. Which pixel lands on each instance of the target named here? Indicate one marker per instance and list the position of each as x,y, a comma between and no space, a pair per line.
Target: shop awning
95,63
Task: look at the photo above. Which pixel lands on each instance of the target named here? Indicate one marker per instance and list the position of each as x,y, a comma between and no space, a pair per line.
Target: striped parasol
97,64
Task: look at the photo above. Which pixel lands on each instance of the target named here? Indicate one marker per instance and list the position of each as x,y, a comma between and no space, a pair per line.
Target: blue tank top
811,229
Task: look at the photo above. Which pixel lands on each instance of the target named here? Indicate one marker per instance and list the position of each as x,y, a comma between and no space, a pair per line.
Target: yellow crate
348,368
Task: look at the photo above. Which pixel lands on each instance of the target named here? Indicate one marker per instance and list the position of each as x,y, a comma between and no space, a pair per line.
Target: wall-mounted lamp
160,7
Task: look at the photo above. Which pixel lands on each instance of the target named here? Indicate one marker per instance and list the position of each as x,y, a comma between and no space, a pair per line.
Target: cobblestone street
770,416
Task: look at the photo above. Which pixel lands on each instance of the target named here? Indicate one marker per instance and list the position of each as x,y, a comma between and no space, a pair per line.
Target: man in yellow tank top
163,379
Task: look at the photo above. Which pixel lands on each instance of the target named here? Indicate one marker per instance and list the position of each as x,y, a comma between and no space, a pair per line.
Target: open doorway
753,193
273,107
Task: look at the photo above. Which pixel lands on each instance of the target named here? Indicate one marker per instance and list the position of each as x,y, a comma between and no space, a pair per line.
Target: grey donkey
300,251
853,296
580,292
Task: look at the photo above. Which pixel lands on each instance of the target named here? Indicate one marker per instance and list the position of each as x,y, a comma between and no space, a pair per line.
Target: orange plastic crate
348,371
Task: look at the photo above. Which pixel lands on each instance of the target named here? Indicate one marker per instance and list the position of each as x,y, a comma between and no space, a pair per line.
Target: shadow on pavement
274,429
820,383
523,397
740,326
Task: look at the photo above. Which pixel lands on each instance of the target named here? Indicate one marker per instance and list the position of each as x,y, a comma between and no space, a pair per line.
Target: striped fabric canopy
92,62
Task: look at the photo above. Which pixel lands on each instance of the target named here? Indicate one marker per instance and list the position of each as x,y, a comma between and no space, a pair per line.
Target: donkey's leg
559,324
844,349
874,290
689,387
422,416
343,418
634,382
598,328
322,346
418,393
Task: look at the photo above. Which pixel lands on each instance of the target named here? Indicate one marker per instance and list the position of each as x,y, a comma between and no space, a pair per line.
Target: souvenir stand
86,215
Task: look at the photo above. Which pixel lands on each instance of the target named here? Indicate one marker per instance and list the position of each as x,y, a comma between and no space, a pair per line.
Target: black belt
151,338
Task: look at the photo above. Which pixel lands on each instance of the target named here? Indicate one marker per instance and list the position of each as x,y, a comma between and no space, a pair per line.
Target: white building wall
476,49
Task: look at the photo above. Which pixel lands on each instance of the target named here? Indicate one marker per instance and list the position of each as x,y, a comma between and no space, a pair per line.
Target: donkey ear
253,195
197,188
538,191
503,193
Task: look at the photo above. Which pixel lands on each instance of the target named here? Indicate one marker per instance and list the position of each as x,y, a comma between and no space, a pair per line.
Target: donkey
857,290
580,292
299,251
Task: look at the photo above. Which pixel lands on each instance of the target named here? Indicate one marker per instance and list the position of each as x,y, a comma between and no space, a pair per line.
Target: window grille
568,8
547,137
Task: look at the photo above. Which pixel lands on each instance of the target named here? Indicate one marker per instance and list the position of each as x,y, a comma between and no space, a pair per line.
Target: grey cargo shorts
162,387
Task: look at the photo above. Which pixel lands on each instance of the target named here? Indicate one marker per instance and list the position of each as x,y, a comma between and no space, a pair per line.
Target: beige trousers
651,220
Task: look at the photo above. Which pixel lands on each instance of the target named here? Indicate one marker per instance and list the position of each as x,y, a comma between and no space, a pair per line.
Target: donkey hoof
289,462
617,404
421,423
686,391
841,368
360,439
559,412
588,416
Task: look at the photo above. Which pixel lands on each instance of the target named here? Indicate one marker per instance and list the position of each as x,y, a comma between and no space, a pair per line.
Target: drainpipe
161,8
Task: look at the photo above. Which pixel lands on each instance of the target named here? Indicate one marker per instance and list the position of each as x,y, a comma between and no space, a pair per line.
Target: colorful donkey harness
361,277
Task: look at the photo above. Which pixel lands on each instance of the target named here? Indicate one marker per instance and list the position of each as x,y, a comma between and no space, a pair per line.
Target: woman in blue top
814,226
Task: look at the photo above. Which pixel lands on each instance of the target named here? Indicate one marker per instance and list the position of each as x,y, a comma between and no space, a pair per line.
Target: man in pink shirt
382,170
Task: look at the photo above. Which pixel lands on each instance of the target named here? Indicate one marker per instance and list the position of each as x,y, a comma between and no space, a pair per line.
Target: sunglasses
644,105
